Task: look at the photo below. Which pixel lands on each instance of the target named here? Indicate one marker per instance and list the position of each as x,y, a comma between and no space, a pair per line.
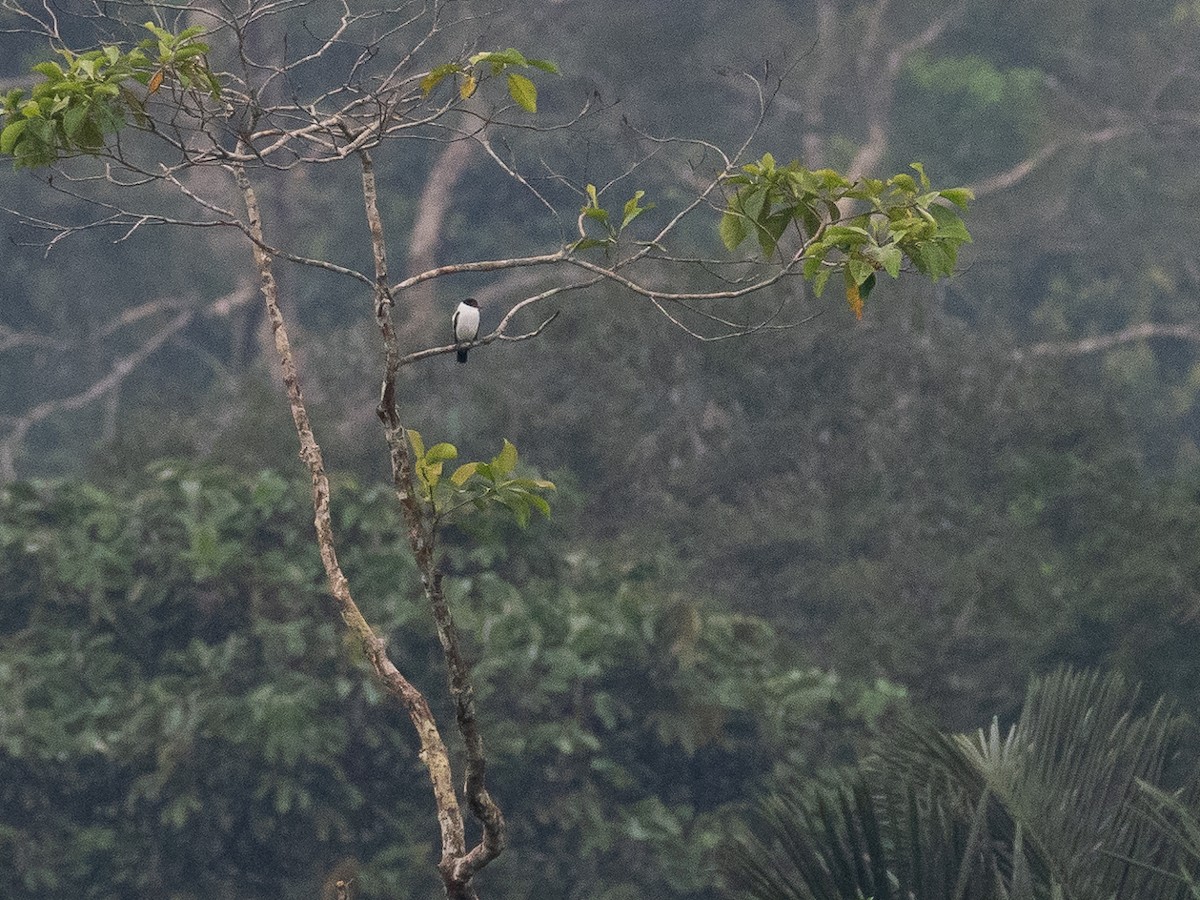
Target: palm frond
1054,808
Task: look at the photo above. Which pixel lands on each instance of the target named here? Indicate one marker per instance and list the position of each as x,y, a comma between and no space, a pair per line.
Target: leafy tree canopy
180,718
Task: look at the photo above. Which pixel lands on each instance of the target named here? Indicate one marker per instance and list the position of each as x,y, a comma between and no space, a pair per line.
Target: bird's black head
471,301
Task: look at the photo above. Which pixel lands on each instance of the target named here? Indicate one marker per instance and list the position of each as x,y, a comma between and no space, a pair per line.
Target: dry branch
1186,331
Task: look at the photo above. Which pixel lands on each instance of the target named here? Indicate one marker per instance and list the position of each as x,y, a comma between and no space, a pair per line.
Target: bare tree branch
11,339
120,370
1185,331
1013,176
12,442
870,153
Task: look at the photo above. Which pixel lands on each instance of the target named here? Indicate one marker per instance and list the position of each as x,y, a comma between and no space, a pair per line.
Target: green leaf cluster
181,56
593,211
492,62
476,484
86,98
900,219
72,110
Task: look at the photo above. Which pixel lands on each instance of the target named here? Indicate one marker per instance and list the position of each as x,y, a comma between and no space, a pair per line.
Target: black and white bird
466,325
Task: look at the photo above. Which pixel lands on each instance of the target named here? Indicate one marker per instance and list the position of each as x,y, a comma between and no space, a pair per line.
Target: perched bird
466,325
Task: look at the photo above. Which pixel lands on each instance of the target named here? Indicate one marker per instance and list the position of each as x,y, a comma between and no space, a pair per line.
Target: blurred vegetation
180,717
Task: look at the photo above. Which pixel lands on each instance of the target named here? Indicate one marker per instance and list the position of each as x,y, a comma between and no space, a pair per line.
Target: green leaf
12,100
106,119
506,460
833,180
523,91
905,181
518,505
819,281
190,51
812,219
441,452
890,258
867,285
751,202
589,243
51,70
214,86
414,438
932,258
500,58
540,504
74,120
161,33
436,75
950,224
464,473
41,131
860,270
632,210
545,65
733,230
10,134
836,234
772,229
960,197
920,170
429,475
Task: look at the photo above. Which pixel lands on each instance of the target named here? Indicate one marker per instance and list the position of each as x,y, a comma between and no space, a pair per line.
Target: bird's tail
462,356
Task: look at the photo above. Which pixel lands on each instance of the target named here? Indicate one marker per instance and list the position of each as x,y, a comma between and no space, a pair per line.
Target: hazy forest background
761,550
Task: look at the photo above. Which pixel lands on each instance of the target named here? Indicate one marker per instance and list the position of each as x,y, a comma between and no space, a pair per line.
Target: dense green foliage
902,222
77,108
179,715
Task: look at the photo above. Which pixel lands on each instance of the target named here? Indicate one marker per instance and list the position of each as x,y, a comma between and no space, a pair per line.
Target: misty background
761,549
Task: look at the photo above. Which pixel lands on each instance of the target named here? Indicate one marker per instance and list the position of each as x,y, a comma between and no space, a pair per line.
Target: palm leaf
1055,808
851,844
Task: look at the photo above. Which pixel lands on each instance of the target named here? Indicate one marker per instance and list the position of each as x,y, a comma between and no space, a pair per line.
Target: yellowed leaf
156,81
854,298
468,87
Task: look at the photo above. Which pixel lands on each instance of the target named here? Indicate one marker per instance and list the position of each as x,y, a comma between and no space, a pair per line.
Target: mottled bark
433,751
458,867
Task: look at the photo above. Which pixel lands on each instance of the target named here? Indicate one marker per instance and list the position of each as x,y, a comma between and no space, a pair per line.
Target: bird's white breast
466,322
